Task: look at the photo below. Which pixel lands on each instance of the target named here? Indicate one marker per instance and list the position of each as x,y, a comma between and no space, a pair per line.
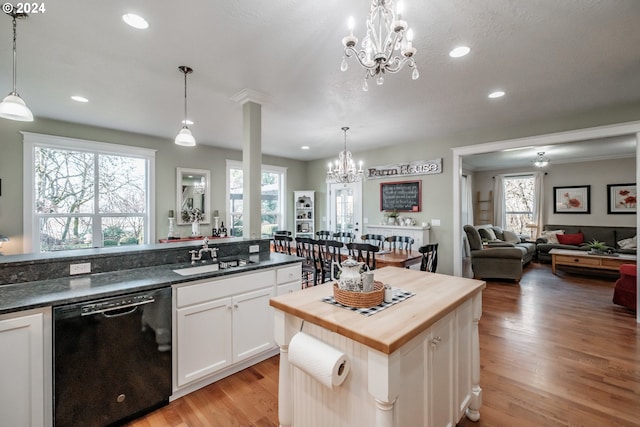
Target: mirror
193,188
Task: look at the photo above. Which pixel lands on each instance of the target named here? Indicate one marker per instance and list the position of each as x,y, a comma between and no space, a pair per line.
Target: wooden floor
554,352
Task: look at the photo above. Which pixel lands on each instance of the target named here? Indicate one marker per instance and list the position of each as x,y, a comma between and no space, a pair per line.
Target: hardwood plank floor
555,351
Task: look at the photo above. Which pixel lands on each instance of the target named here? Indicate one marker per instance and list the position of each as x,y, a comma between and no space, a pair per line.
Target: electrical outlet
254,248
435,222
83,268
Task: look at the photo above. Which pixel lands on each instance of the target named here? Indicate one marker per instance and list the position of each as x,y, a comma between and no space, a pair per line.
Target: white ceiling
553,58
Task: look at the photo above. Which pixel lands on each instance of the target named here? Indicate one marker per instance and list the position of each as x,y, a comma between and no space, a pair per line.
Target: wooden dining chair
323,234
364,252
282,243
330,258
373,239
307,248
344,237
400,242
429,257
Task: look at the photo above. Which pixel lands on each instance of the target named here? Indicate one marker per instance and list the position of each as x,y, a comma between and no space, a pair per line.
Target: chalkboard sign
401,196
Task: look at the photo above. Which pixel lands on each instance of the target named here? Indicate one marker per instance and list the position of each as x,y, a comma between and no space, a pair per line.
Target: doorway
345,207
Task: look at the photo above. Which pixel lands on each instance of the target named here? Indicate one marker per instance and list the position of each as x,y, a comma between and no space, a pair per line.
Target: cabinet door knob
235,305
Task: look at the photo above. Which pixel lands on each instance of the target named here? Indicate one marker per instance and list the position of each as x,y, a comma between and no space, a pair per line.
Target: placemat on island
399,295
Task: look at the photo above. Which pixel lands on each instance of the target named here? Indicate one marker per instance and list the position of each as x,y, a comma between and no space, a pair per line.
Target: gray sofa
500,259
610,235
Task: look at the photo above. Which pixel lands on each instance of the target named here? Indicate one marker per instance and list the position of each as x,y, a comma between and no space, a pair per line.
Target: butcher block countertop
435,296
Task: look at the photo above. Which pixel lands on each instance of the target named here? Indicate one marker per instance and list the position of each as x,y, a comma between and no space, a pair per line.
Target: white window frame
281,214
527,175
33,140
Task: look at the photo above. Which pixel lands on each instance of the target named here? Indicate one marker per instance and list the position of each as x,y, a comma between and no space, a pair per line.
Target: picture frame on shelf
622,199
575,199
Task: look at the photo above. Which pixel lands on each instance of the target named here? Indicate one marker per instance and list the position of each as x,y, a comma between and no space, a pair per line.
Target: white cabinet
289,279
304,202
252,324
26,368
419,234
221,323
440,382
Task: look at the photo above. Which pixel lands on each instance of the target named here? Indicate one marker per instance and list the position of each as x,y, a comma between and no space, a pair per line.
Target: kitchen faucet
196,255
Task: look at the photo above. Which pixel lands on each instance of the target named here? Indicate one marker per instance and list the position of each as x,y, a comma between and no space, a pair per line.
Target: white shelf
304,213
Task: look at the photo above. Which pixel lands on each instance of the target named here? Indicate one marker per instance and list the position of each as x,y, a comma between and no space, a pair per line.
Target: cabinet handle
235,305
229,307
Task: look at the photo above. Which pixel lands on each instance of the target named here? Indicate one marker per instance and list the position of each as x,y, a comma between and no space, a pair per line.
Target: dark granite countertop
67,290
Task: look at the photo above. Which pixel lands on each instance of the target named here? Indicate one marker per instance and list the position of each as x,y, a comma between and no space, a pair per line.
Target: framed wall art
574,199
621,198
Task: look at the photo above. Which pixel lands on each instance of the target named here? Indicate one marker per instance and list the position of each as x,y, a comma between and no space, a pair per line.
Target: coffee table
586,260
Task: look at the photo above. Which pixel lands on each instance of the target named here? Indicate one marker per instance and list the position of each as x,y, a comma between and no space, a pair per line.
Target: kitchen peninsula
415,363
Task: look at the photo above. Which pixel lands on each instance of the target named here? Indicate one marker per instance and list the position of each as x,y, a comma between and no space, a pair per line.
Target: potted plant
391,217
597,247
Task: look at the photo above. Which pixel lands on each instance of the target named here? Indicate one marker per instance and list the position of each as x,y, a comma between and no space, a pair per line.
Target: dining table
404,258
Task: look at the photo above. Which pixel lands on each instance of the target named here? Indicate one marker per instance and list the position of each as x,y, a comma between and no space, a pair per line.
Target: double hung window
519,199
272,187
83,194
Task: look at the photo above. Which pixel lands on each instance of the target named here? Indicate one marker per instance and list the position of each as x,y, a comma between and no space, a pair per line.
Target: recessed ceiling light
304,147
459,52
136,21
187,122
79,98
496,94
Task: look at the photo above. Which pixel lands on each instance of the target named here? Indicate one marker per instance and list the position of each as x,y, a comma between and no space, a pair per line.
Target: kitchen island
415,363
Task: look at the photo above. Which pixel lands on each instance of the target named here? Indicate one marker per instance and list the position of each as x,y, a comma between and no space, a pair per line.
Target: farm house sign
420,167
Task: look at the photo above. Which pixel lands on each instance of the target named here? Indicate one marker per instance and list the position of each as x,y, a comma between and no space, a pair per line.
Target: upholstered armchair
625,290
493,262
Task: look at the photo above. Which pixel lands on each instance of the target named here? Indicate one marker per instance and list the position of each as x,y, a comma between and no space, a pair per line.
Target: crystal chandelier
541,161
385,49
344,169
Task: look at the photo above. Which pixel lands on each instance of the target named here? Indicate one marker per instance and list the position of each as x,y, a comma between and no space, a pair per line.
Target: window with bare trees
519,193
86,195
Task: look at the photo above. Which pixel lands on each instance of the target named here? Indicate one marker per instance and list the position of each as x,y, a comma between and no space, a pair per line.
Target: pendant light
184,137
12,106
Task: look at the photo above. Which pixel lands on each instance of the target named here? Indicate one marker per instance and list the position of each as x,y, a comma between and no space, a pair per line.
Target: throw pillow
510,236
550,235
630,243
487,233
570,239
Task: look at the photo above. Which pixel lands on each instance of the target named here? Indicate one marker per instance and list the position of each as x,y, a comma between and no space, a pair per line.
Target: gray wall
596,174
437,198
168,157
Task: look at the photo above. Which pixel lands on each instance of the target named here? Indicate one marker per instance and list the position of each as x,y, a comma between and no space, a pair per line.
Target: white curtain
538,200
499,218
466,217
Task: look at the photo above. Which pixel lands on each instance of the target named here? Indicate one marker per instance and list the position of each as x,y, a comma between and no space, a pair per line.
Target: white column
251,160
251,169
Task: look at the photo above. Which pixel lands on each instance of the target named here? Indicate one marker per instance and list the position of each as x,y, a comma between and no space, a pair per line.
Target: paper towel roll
326,364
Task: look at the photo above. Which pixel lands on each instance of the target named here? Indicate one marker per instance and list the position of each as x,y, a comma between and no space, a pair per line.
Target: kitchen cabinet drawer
223,286
289,274
289,287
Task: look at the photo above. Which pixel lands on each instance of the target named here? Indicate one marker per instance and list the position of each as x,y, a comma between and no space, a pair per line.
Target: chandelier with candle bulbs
386,48
344,170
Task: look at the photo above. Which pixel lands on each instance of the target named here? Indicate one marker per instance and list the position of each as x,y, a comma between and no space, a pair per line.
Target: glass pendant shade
14,108
541,161
185,138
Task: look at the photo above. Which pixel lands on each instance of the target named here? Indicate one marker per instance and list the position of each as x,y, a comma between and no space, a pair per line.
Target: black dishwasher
112,358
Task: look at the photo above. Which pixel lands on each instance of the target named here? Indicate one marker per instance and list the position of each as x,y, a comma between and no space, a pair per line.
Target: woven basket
360,299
